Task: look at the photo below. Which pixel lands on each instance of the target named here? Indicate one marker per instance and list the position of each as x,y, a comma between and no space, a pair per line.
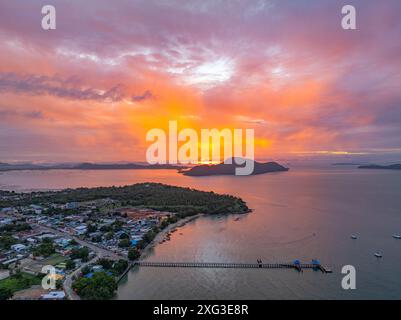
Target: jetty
231,265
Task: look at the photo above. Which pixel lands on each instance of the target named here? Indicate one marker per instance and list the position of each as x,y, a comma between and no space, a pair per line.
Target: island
86,166
229,169
90,235
384,167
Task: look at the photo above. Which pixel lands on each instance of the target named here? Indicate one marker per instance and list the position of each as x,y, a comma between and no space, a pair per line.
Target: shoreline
160,236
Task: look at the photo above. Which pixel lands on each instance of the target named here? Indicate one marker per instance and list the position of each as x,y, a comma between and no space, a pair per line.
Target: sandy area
33,293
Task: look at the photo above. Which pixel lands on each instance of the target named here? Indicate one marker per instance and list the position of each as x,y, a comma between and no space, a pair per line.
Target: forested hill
151,195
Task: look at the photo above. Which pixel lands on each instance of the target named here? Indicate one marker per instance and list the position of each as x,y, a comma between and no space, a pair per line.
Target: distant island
86,166
396,166
345,164
229,169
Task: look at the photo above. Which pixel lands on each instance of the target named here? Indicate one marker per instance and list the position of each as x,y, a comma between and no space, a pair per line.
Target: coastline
160,236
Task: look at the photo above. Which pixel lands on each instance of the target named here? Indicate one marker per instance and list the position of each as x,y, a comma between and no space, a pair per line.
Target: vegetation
124,243
17,282
133,254
15,227
183,201
45,249
120,266
70,265
5,294
80,253
100,287
6,242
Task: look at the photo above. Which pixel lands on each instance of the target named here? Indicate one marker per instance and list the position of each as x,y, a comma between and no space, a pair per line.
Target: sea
306,213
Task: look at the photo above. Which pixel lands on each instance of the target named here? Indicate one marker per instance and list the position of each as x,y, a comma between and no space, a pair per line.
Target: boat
354,237
378,255
396,236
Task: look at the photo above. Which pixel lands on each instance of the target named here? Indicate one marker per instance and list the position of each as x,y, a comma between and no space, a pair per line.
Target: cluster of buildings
100,224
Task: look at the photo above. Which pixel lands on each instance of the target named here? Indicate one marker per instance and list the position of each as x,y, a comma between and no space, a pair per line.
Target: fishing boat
354,237
396,236
378,255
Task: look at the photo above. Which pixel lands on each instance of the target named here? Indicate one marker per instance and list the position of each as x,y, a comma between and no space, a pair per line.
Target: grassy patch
19,282
53,260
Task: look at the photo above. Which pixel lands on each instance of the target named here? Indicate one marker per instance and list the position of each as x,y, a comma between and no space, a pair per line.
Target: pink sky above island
90,90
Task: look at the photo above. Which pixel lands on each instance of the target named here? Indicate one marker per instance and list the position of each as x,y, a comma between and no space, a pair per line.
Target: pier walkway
298,267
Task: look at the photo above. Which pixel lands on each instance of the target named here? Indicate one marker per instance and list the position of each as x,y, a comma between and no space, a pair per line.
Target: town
90,237
69,235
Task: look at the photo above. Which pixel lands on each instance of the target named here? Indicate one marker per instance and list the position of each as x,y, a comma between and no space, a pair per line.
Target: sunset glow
92,88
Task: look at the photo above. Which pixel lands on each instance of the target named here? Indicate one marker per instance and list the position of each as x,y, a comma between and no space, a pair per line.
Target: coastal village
81,240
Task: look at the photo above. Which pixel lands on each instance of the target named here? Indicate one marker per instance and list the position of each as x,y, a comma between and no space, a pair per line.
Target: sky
112,70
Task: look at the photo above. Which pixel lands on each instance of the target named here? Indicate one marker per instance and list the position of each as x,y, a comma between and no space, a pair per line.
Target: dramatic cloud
63,88
113,70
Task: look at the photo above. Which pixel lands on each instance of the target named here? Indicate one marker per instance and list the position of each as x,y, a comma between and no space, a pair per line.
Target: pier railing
298,267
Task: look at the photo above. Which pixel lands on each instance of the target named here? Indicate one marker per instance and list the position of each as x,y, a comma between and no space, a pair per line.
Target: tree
70,265
109,235
81,253
86,270
100,287
5,294
105,263
92,228
120,266
124,243
45,249
6,242
124,236
133,254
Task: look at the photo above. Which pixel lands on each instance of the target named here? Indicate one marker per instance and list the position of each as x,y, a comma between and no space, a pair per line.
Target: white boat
354,237
378,255
396,236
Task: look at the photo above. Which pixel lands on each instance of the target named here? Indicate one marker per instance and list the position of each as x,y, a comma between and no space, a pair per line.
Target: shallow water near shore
301,214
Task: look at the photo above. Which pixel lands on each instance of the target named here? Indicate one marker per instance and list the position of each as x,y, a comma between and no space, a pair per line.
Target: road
100,253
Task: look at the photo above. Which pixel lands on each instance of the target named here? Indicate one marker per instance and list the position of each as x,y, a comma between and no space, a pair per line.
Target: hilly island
229,169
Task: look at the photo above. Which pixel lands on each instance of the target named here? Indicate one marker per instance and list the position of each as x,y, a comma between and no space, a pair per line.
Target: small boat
354,237
378,255
396,236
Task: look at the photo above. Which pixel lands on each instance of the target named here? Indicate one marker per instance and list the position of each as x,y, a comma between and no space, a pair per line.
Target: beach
163,233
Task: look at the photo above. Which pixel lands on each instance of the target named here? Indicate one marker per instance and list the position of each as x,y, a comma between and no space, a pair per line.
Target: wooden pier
228,265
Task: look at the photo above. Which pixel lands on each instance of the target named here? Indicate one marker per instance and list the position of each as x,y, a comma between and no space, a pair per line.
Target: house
18,247
80,230
62,242
97,268
6,221
36,209
46,235
71,205
54,295
31,241
8,210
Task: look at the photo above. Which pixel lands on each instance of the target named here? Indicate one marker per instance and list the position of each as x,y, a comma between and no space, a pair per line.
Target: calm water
289,208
